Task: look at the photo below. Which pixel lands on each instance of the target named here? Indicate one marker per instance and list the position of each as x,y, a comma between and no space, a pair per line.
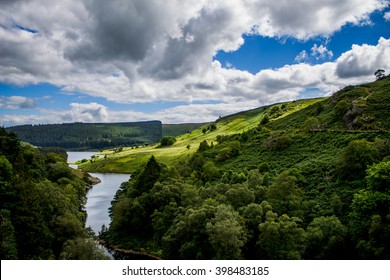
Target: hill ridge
84,136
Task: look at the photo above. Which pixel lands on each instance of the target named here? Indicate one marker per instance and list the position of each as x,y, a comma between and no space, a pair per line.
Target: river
100,196
99,199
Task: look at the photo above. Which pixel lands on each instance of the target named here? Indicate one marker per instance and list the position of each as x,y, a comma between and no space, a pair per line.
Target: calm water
100,196
99,200
75,156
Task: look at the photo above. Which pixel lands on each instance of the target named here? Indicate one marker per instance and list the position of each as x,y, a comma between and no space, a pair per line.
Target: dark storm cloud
118,29
18,56
10,2
196,46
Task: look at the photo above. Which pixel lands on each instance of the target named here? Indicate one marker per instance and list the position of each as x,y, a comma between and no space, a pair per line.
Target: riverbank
93,180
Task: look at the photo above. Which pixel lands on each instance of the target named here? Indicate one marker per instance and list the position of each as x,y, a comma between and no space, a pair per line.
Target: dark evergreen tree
149,176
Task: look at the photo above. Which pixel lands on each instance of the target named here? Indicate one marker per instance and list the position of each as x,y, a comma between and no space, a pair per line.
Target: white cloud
321,52
306,18
90,112
16,102
317,54
387,16
163,50
364,60
302,57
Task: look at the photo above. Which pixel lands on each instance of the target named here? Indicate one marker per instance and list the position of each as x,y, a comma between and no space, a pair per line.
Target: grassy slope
370,101
130,160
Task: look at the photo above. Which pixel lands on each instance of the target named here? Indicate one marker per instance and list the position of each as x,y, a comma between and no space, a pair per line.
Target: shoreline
128,252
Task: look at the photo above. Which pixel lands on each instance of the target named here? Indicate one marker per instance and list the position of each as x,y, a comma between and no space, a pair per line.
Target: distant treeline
83,136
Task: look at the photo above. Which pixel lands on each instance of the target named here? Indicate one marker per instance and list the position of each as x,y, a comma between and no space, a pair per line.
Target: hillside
130,159
300,180
87,136
361,107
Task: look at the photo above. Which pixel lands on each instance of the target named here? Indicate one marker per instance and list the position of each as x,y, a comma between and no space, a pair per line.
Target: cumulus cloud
163,50
305,18
364,60
317,54
151,39
179,114
89,112
321,52
16,102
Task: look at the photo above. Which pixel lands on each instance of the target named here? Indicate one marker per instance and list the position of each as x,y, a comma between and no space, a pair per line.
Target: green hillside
300,180
87,136
130,159
362,107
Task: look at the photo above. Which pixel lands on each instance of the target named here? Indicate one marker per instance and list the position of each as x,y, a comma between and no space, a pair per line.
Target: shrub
167,141
278,142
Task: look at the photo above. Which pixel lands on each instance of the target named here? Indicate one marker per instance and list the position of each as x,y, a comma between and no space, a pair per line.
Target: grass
130,159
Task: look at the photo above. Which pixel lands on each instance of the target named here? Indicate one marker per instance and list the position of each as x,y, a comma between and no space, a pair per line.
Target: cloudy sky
180,60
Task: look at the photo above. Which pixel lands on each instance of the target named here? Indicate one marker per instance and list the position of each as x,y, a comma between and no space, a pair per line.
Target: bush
278,142
264,120
341,108
167,141
356,157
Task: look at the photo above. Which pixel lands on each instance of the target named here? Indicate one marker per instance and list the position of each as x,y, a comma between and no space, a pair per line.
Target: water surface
100,196
99,199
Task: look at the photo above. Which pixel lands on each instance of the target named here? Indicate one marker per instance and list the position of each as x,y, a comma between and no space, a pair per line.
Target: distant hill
84,136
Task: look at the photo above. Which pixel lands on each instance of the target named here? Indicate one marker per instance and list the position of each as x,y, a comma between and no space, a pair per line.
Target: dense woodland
42,202
87,136
312,185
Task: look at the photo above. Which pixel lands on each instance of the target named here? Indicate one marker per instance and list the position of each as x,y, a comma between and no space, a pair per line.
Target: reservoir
99,197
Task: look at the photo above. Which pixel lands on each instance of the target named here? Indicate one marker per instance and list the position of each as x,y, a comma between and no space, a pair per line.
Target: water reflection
99,199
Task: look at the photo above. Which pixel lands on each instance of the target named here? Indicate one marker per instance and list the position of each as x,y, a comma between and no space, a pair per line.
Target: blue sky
181,61
260,52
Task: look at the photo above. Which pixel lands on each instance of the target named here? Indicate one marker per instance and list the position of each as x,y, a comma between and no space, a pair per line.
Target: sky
180,61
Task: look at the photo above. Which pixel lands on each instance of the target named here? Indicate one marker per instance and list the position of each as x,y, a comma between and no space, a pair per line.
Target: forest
313,184
90,136
42,214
